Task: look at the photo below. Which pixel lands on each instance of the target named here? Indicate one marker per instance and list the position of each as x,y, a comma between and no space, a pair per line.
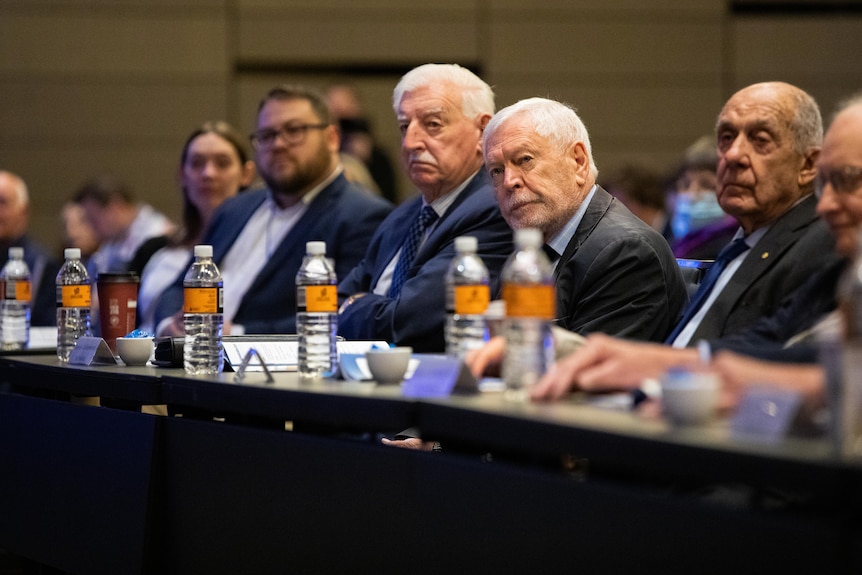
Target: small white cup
388,365
689,398
135,350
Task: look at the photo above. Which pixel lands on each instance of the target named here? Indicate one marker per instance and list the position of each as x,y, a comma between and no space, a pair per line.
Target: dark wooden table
518,488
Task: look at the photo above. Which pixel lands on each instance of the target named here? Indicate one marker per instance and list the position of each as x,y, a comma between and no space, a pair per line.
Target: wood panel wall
93,86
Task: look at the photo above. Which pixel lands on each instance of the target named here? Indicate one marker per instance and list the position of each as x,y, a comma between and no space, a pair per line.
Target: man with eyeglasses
259,236
792,334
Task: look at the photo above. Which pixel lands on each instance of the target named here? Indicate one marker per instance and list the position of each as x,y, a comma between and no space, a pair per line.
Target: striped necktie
409,248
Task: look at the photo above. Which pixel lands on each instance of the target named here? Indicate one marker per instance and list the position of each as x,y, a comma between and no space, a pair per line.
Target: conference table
290,477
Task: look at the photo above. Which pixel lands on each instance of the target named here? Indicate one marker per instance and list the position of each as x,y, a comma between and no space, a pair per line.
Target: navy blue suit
342,215
417,317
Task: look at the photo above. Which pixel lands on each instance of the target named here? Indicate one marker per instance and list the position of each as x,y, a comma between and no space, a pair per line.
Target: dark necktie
553,256
409,248
725,256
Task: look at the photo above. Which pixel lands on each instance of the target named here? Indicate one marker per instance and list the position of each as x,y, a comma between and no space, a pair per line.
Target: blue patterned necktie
409,248
725,256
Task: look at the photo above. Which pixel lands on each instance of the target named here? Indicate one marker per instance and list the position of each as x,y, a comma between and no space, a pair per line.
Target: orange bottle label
529,301
202,300
19,290
321,299
74,296
472,300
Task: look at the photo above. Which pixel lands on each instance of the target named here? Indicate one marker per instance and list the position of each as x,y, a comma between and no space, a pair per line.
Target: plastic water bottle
528,291
15,302
73,303
203,317
467,298
316,313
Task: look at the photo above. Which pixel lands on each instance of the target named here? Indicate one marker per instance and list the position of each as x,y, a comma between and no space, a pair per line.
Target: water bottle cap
315,248
72,253
466,244
16,253
528,238
203,251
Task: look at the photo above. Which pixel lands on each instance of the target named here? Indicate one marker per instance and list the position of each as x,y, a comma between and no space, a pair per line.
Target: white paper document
283,355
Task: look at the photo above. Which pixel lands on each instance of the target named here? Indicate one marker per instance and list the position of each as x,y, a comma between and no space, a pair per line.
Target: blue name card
765,414
439,376
91,350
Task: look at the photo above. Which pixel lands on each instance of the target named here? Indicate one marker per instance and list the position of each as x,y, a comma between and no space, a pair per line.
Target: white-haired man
613,273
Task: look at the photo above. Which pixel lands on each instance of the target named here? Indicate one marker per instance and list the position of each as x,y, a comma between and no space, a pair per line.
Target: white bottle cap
16,253
203,251
315,248
72,253
528,238
466,244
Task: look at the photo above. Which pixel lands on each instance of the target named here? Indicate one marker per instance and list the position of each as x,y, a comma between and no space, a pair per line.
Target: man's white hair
553,120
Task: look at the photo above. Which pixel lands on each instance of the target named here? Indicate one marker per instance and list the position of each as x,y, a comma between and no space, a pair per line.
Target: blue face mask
692,212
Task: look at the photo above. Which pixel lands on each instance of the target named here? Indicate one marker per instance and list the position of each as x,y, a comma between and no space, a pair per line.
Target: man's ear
579,154
808,170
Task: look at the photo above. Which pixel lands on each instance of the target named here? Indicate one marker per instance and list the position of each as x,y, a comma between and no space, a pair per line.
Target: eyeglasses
291,134
844,180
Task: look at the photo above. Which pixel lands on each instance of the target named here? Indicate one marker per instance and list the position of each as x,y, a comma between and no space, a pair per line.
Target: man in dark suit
397,292
613,273
608,363
769,138
259,237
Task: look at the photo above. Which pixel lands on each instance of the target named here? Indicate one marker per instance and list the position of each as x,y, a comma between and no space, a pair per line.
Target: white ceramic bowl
135,350
388,365
689,398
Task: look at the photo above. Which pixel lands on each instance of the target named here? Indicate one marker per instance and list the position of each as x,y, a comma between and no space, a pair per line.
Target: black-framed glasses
290,133
844,180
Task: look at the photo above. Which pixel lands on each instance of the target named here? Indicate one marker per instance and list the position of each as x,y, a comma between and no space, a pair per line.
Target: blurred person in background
121,224
14,220
700,228
77,231
642,191
358,141
214,165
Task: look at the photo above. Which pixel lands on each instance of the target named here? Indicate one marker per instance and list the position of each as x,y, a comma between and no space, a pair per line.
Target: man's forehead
294,108
427,100
843,140
757,107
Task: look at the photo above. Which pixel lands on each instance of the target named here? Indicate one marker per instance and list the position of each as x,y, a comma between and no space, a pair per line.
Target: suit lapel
597,209
293,244
759,260
440,232
234,224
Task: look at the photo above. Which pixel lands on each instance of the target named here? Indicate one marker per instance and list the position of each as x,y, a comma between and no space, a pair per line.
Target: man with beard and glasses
259,237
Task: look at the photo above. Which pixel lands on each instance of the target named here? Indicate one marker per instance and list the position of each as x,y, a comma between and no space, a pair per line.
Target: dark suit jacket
342,215
798,313
618,276
43,278
418,316
796,247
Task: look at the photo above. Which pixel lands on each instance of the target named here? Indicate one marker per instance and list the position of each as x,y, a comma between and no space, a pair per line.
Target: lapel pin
764,255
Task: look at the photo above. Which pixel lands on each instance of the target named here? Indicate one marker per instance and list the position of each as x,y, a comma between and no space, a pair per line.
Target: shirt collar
560,241
441,204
